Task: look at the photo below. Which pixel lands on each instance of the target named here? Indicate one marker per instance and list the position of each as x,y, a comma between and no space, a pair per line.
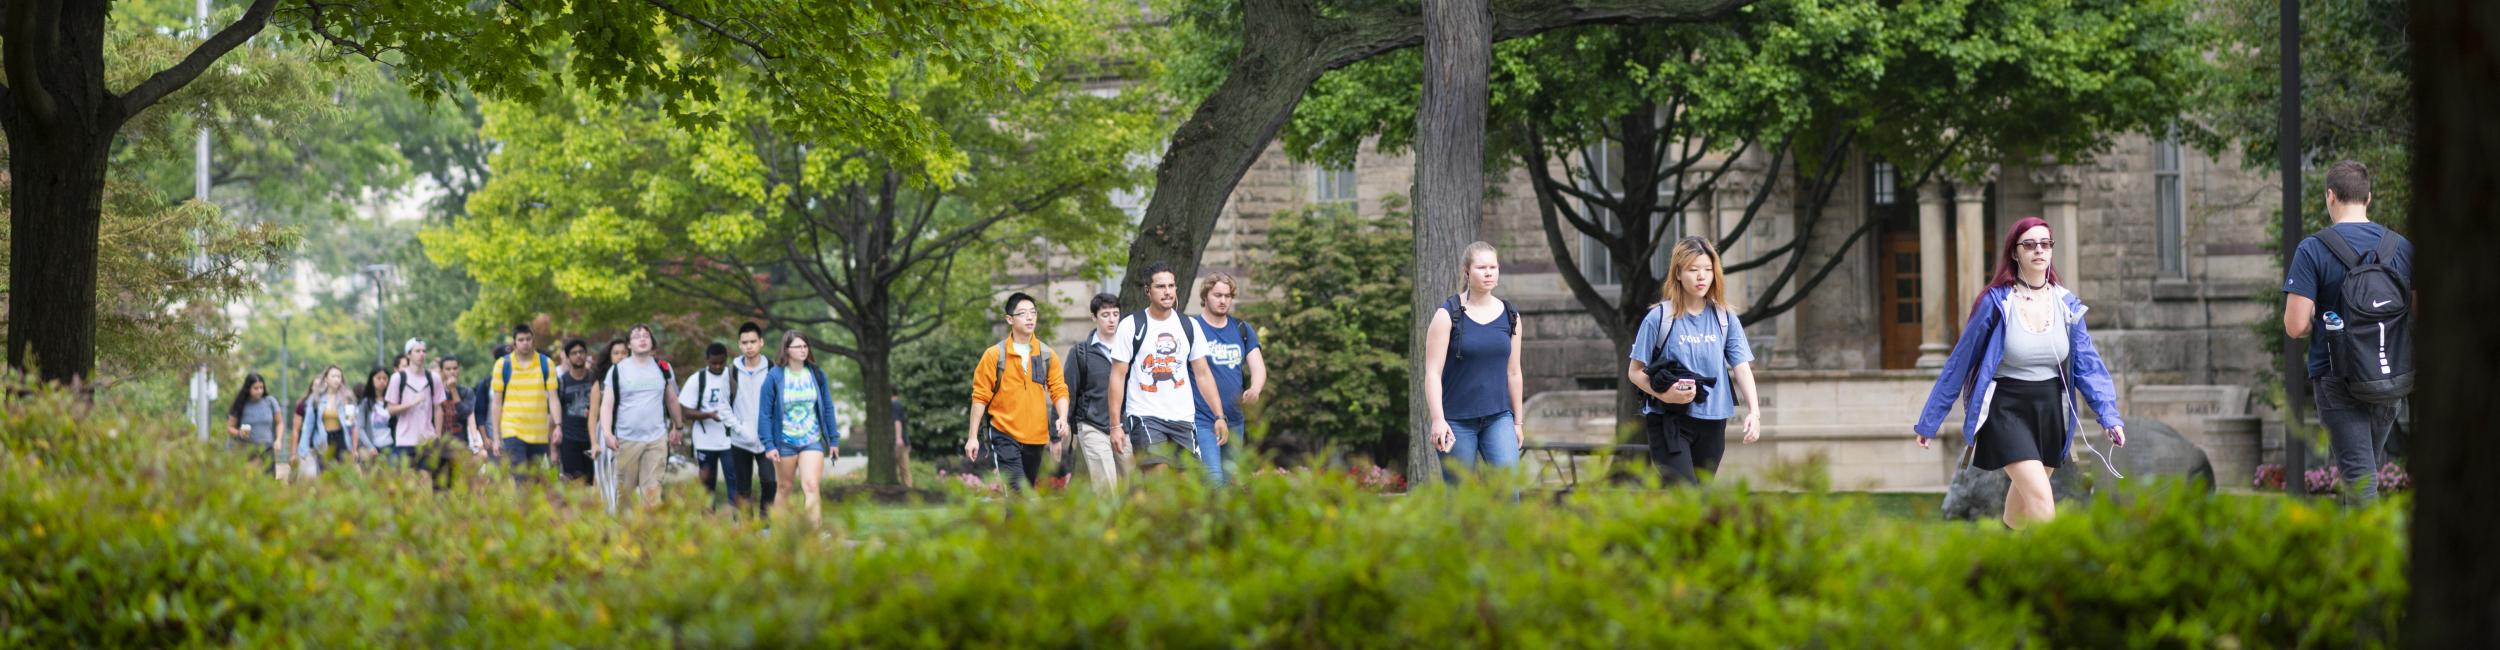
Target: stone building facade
2166,245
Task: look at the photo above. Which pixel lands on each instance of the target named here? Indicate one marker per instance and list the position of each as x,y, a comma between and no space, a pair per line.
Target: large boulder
2155,453
1979,495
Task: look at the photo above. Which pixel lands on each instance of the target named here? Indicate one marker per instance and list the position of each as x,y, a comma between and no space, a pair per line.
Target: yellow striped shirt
524,394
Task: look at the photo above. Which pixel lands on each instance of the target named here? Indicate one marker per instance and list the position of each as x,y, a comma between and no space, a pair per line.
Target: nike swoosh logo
2379,304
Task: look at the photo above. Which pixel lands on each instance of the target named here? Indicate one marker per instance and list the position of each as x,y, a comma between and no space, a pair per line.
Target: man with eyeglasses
1019,400
1089,385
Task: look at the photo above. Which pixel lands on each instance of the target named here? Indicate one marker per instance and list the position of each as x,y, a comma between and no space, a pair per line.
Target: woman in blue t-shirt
1698,344
794,418
1471,371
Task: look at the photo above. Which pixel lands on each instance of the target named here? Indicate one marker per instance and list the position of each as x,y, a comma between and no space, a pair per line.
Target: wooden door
1896,273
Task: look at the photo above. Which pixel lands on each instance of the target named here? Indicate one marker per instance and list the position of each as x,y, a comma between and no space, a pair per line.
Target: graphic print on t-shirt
1163,364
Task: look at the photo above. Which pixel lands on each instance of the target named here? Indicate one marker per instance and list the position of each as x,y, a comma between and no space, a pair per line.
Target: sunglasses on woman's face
2036,244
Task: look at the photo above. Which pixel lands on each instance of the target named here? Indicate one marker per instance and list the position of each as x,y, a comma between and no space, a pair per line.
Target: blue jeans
2357,434
1212,455
1492,440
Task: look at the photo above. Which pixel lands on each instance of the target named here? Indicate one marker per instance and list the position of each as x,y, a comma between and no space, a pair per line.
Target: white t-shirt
712,397
744,407
1160,383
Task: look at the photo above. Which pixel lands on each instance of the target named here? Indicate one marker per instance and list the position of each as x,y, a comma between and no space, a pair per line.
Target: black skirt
2026,421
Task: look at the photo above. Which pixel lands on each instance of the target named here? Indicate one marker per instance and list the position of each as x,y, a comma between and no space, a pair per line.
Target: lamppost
2288,158
381,345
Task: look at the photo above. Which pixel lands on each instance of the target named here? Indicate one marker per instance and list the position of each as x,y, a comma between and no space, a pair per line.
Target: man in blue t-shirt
2313,291
1232,356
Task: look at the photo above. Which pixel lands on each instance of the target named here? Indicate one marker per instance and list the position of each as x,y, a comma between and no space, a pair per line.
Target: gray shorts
1158,441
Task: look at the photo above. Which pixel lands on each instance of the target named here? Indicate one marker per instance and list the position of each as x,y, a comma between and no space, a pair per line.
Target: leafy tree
2356,93
1343,292
63,109
600,206
1244,65
1807,84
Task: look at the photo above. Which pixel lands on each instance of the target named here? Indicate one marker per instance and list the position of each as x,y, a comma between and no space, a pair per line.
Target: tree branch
717,29
1770,180
30,29
171,79
1608,314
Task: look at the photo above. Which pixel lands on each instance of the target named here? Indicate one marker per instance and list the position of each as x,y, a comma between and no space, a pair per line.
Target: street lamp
381,345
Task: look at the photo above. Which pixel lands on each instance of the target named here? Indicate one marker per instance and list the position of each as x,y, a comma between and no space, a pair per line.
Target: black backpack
1458,313
2373,353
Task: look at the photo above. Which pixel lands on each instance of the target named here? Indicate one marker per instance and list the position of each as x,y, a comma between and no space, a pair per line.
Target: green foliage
2064,76
119,533
827,68
934,378
1345,287
2356,94
609,210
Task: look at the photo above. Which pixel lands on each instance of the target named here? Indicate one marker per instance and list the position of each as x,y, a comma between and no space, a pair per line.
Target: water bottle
2334,323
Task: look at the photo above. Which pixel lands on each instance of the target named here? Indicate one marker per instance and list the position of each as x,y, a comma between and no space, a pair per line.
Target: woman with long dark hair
2023,354
796,421
373,419
1690,352
254,421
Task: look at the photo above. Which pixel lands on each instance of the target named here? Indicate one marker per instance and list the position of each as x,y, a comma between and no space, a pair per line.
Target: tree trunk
2456,579
876,368
1449,186
60,137
1286,46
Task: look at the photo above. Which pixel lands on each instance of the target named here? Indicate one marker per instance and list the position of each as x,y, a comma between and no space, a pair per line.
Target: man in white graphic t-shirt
1154,406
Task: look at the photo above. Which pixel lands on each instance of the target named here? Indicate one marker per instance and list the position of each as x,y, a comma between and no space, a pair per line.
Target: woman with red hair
2021,358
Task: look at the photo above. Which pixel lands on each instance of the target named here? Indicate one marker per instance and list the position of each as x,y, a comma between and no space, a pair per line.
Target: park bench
1563,456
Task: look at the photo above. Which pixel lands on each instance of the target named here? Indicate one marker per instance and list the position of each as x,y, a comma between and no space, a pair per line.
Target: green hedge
124,534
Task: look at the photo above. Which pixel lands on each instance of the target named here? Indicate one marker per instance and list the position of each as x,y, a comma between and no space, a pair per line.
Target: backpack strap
1137,336
2386,250
2341,249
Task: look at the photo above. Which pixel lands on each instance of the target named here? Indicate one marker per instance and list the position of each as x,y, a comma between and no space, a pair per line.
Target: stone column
2061,188
1732,192
1934,341
1971,237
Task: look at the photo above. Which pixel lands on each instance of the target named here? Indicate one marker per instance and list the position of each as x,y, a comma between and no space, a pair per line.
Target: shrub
1342,303
121,533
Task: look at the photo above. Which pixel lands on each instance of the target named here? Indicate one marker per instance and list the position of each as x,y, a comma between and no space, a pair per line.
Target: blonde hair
1216,278
1672,291
1467,260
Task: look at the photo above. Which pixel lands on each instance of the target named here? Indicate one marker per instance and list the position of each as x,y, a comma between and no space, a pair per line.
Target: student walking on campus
453,417
2021,357
1689,353
483,442
253,422
1161,358
642,421
329,424
373,417
2352,284
1472,383
1019,400
705,400
603,458
570,440
1088,376
1234,361
749,471
798,423
525,404
413,397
